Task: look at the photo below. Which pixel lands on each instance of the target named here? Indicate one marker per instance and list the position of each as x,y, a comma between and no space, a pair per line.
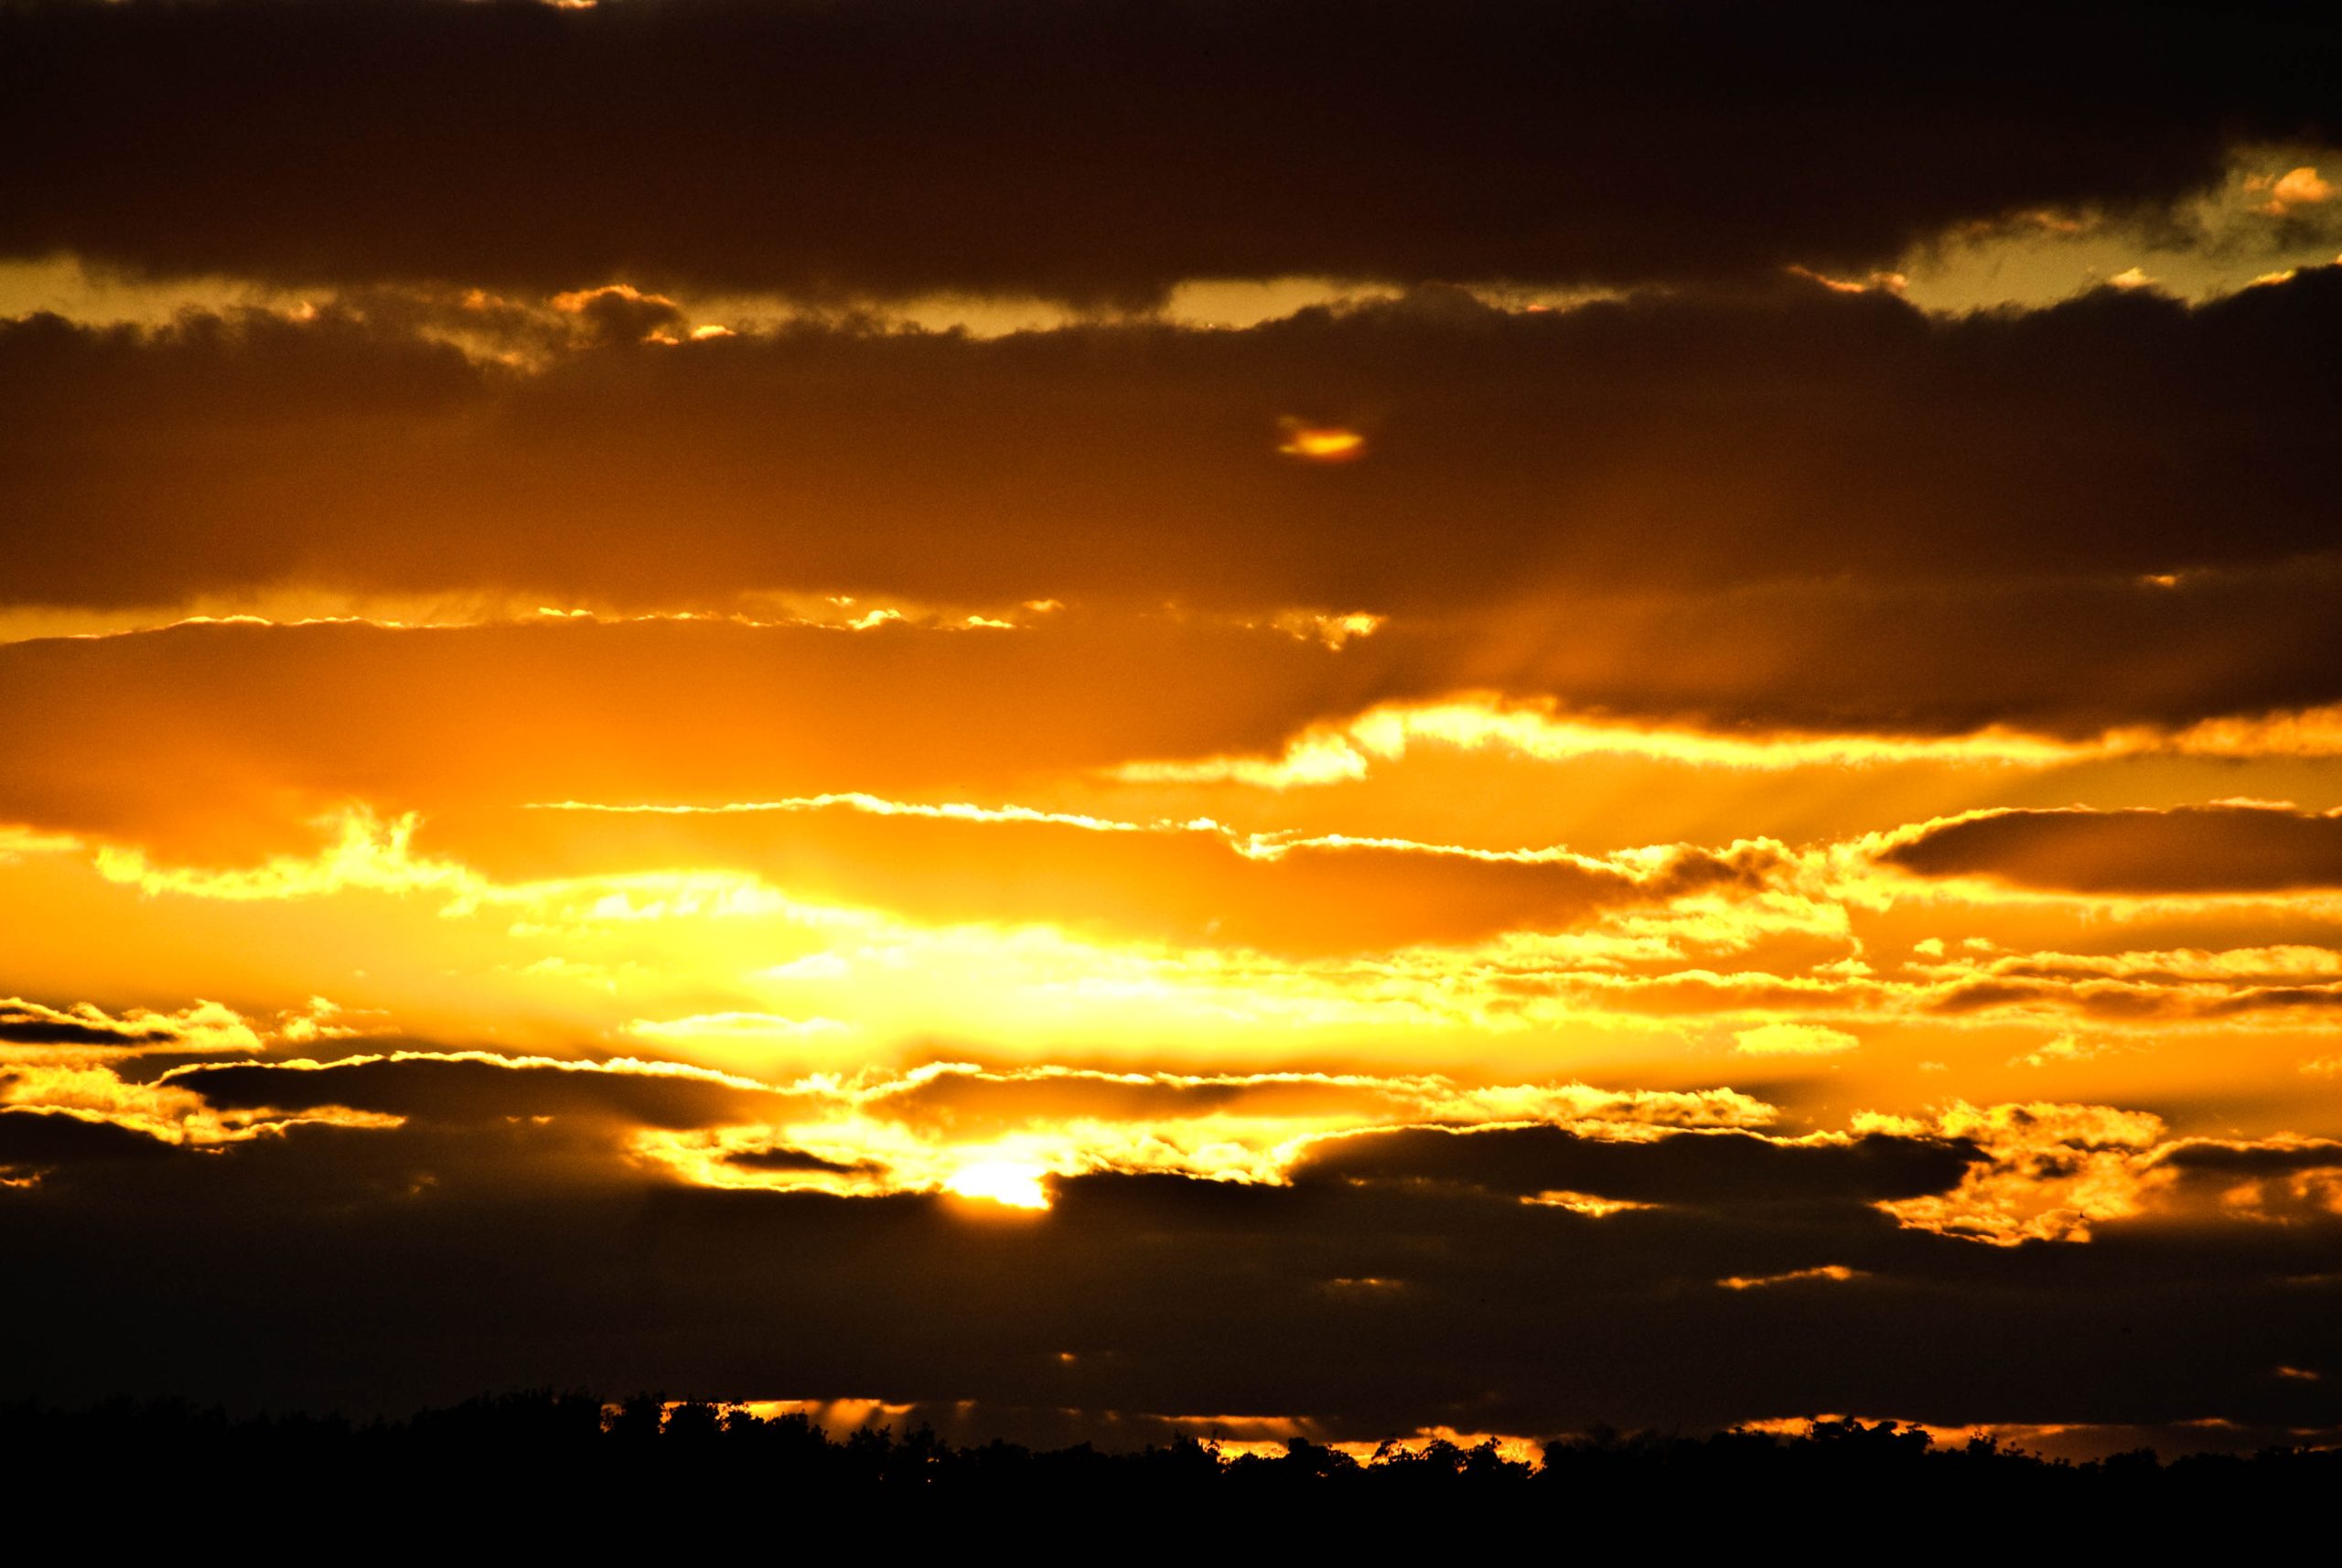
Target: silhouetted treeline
546,1464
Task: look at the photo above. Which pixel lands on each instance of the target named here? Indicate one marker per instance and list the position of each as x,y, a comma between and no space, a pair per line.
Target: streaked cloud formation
1487,739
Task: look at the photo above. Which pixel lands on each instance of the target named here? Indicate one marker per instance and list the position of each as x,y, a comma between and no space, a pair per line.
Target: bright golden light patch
1004,1182
306,606
1320,443
1834,1272
1586,1203
2052,1171
1335,631
1334,753
734,1028
1793,1040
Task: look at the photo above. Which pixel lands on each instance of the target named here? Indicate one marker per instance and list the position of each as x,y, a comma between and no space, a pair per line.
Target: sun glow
1009,1183
1490,741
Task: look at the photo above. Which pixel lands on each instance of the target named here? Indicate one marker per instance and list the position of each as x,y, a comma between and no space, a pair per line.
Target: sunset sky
1090,718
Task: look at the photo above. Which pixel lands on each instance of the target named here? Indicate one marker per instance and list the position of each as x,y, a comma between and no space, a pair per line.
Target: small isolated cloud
2296,188
2064,1048
1837,1272
1320,443
620,313
2232,847
1588,1204
1793,1040
787,1159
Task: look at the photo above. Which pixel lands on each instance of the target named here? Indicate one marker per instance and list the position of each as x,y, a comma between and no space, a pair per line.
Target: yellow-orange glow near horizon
1263,810
1004,1182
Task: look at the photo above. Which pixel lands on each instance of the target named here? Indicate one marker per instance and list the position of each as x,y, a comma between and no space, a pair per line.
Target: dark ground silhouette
550,1468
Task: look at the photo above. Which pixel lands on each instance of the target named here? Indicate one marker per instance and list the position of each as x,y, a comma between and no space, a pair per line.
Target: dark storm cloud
2278,1158
2221,848
2128,1002
781,1157
2060,655
463,1271
619,316
1693,1168
2286,1180
44,1138
1689,444
888,146
456,1090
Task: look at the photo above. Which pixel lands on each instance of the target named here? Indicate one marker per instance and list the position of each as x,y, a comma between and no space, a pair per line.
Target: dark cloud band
890,147
1649,447
2219,848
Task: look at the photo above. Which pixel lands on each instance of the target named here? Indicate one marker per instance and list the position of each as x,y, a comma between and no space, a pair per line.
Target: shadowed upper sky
1299,719
844,147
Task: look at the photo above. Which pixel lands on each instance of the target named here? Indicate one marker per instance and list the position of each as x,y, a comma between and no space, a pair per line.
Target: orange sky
1484,820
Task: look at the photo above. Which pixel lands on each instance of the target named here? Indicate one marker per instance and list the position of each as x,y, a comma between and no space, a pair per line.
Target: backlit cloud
1101,721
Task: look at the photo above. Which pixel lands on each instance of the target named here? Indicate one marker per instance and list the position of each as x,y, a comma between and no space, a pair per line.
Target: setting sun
1002,1182
1389,735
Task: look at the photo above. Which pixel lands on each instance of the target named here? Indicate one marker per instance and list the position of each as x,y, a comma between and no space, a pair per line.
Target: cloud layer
910,145
1153,1294
1343,718
1794,435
